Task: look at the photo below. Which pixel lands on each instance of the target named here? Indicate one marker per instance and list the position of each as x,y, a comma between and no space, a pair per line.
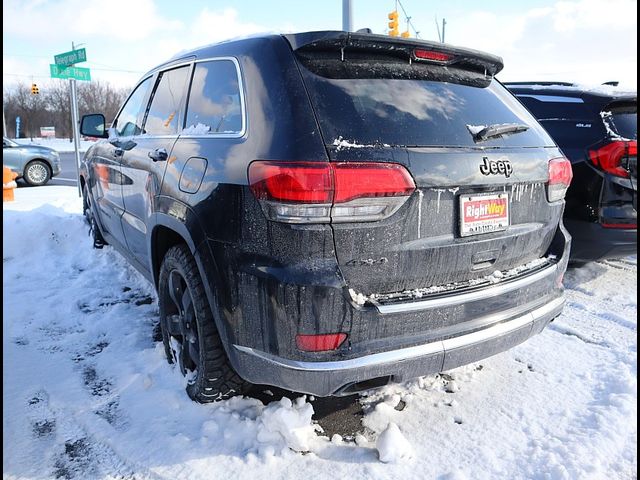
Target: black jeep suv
328,212
597,129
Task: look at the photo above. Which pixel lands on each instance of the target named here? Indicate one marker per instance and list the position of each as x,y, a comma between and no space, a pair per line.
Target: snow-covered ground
88,393
62,145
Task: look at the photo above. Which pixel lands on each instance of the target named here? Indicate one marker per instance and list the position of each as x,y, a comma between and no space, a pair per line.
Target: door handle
118,152
159,155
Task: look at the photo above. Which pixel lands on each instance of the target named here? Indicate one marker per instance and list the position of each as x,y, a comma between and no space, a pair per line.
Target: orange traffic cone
8,184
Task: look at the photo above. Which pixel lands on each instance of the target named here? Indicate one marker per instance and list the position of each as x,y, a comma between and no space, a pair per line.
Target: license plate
483,213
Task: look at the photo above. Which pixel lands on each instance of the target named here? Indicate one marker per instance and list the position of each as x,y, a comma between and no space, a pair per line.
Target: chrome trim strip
353,363
433,348
445,301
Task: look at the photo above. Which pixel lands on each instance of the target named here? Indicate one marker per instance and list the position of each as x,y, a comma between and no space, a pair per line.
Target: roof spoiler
404,48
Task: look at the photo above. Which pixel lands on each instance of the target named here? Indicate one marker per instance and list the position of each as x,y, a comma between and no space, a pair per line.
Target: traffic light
405,34
34,89
393,24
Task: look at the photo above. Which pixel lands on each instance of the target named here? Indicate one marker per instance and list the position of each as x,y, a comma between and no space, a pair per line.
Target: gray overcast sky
586,41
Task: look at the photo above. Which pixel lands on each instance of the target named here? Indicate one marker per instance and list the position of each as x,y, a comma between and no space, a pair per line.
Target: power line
408,18
90,64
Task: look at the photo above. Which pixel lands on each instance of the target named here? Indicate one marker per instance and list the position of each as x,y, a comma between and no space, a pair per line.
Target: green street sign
67,59
70,72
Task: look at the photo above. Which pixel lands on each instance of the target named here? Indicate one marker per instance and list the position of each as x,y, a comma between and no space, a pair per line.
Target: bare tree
31,109
52,107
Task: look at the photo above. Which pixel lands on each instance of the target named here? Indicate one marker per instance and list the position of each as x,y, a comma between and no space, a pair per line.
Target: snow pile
392,446
288,424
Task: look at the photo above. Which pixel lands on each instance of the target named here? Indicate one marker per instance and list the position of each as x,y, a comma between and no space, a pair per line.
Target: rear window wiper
485,132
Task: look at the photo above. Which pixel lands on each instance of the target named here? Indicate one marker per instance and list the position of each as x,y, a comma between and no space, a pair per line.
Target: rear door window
215,103
165,112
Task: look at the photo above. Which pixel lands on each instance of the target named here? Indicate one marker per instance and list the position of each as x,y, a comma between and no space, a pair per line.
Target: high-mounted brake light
319,192
610,158
560,175
320,343
431,55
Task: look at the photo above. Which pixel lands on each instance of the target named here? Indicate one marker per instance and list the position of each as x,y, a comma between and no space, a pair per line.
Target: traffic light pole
347,17
76,129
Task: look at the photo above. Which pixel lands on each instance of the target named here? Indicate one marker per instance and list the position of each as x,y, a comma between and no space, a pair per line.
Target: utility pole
347,16
444,22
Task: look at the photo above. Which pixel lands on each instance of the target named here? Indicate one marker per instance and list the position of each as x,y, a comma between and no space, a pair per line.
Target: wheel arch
166,232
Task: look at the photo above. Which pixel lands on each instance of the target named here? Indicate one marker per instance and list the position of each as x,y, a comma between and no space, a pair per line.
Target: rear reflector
319,192
320,343
560,175
433,56
611,157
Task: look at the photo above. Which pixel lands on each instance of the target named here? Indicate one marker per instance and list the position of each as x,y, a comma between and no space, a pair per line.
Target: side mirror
93,126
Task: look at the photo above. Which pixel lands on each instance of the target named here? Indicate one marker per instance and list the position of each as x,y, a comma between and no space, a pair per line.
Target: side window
130,119
165,112
214,100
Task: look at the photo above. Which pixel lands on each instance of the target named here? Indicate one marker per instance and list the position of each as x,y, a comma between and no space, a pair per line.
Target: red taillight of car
432,56
560,175
318,192
303,182
320,343
361,180
633,226
610,157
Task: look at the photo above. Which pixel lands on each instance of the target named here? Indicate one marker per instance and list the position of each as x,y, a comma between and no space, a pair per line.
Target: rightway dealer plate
483,213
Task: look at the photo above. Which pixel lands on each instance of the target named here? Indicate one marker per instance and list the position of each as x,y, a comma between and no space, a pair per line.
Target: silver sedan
33,163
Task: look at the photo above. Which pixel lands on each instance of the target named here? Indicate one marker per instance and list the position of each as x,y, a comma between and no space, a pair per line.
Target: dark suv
597,129
329,212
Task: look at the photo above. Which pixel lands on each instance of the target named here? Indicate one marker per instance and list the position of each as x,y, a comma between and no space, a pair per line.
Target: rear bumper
593,242
338,377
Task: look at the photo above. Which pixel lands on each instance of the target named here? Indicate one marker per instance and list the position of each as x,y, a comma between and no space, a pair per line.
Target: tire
37,173
189,334
89,216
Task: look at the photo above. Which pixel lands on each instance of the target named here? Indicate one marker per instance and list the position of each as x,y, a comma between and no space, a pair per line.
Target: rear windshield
415,111
625,124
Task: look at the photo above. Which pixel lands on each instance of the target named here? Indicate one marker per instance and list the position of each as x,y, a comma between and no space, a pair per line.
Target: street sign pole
76,126
64,68
76,129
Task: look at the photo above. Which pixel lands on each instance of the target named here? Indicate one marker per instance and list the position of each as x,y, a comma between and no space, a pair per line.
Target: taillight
318,192
432,56
560,175
320,343
610,157
620,225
